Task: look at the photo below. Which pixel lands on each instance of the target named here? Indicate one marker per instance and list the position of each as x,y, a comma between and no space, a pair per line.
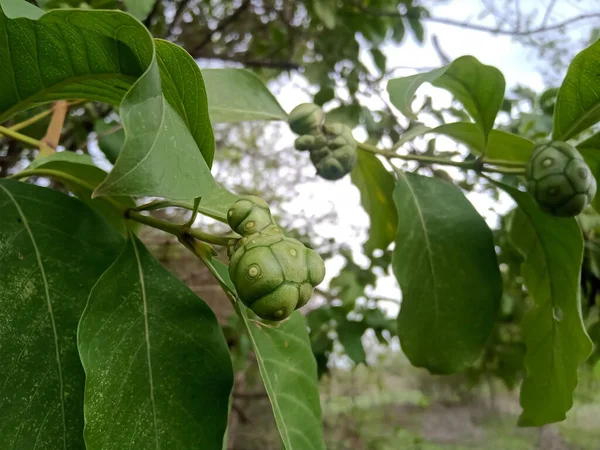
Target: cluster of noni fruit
273,274
559,179
332,147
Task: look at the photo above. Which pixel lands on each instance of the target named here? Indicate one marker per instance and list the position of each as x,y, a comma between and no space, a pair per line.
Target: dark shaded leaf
552,327
146,336
53,250
446,266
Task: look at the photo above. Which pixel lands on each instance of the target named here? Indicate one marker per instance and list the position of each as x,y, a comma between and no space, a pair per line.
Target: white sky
519,64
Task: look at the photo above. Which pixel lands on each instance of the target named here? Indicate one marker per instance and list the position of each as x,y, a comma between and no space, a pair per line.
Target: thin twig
224,23
52,137
257,63
467,25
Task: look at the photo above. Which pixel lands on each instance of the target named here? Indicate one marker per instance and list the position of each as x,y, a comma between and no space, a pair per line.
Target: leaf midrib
552,294
428,247
50,310
146,336
567,134
267,380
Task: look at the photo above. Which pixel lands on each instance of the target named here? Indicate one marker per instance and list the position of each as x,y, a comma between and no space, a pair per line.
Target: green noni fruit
559,179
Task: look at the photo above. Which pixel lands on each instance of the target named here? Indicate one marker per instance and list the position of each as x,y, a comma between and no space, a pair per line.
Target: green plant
559,179
103,348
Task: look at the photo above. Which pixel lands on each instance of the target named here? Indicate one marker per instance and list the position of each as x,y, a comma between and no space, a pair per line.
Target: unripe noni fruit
249,215
273,274
306,118
559,179
339,156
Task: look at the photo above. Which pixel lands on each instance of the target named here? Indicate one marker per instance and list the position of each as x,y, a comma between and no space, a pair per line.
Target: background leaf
53,250
289,372
478,87
139,8
402,90
160,157
501,145
350,336
80,176
145,336
376,186
237,95
552,328
111,138
577,103
446,266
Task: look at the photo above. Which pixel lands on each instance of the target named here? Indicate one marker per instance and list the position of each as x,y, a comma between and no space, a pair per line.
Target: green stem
210,238
511,167
179,231
160,204
19,137
503,163
505,171
66,178
168,227
420,158
33,119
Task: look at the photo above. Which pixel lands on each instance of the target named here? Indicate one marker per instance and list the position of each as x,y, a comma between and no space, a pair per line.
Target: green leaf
289,372
350,336
552,328
217,203
376,186
593,142
105,56
237,95
183,86
139,8
379,59
111,138
325,10
158,372
402,90
446,266
592,159
501,145
53,250
325,94
577,103
417,28
80,176
478,87
348,115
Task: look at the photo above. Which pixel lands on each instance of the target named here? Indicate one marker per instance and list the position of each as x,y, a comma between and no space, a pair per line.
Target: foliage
102,344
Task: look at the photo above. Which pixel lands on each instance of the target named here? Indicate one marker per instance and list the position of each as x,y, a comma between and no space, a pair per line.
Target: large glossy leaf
289,372
183,86
478,87
553,330
79,174
105,56
53,248
501,145
446,266
578,103
237,95
158,372
376,185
